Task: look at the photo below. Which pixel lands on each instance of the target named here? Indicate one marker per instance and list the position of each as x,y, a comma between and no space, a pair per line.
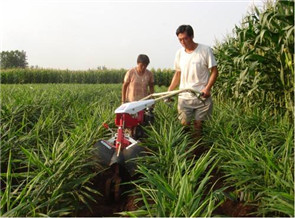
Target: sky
87,34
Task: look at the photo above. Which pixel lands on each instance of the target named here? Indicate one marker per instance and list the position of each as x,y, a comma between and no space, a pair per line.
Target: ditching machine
118,151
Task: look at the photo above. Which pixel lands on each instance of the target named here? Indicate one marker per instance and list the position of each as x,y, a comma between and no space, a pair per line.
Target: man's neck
139,72
190,48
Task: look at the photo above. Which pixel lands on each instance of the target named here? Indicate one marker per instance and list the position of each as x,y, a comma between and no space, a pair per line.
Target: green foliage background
256,64
13,59
105,76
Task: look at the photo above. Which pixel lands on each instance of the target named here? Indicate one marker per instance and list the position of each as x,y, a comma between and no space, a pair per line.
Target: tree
13,59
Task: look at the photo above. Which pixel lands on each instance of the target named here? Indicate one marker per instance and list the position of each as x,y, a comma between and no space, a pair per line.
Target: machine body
119,151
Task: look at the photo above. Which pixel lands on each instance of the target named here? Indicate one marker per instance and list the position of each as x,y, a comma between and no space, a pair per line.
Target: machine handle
105,125
168,100
164,95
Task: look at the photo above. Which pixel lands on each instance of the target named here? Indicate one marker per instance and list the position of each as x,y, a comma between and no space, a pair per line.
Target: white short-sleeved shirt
194,68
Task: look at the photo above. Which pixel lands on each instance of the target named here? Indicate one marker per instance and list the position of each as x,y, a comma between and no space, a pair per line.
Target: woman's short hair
144,59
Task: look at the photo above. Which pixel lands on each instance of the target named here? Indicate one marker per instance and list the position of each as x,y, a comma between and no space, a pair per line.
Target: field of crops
106,76
46,137
256,63
48,132
242,166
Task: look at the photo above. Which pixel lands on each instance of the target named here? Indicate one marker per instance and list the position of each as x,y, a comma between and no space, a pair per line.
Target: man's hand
212,79
206,93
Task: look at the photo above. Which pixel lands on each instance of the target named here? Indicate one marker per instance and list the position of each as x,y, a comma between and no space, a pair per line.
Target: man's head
185,29
185,34
142,62
144,59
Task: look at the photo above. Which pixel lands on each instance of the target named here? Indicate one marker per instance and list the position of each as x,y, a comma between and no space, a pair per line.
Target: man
138,81
196,68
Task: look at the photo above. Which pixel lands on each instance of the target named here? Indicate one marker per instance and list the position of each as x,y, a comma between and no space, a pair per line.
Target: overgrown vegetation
47,134
251,150
256,152
256,64
173,182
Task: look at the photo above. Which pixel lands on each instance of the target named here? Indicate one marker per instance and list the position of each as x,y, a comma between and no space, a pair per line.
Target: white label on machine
134,107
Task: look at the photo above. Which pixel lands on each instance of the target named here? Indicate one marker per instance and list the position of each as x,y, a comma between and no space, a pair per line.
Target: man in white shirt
196,68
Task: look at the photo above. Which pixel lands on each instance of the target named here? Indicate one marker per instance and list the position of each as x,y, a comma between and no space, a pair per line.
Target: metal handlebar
162,95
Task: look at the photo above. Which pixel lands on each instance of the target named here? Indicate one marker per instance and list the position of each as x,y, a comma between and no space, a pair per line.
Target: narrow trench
104,207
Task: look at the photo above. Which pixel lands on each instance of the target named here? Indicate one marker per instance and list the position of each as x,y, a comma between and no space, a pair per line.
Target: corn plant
256,64
105,76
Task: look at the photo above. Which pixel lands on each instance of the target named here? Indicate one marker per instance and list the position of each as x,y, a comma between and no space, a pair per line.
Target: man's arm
151,86
175,81
124,89
212,79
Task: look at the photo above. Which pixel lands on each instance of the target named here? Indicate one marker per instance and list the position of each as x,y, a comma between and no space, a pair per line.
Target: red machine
122,147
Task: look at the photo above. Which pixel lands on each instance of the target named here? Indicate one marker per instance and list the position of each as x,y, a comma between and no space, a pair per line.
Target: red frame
123,121
129,121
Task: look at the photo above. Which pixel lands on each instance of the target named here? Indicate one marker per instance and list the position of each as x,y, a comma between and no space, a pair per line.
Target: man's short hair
144,59
185,28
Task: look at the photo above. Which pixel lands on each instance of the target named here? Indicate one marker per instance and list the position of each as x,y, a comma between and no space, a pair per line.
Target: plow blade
129,153
107,156
104,152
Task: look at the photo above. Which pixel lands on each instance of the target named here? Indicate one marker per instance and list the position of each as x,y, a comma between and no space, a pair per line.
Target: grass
47,133
172,182
257,156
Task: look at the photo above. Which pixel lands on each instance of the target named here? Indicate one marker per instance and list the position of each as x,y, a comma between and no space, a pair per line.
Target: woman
138,81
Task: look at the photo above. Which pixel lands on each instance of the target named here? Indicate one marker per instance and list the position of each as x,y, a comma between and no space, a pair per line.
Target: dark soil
235,209
110,208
